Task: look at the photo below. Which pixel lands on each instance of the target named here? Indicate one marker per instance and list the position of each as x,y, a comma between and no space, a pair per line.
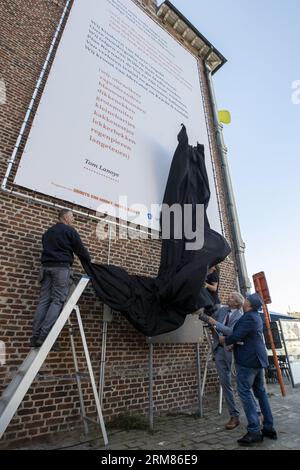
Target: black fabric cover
159,305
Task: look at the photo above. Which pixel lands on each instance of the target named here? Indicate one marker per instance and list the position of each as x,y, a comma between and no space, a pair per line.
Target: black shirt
211,279
60,242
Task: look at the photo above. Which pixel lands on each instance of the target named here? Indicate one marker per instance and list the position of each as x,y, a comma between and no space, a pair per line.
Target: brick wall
52,403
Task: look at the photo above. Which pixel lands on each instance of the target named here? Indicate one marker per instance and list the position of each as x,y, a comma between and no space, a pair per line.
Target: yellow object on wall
224,116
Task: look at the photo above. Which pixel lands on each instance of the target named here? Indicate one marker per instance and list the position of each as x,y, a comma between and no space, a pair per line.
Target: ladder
18,387
209,357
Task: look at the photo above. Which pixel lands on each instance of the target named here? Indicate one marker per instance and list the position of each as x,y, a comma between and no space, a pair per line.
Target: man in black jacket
60,242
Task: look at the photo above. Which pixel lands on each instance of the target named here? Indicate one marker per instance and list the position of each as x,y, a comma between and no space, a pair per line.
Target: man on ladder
60,242
223,322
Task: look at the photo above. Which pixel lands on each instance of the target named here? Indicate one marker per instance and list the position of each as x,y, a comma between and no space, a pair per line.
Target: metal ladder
209,358
18,387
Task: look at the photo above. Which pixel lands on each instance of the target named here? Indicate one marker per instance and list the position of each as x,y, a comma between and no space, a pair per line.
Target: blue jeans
248,379
55,286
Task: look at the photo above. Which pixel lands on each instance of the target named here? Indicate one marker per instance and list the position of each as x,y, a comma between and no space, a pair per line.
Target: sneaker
271,434
250,438
233,423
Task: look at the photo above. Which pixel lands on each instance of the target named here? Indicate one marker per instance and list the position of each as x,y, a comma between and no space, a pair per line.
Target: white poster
106,128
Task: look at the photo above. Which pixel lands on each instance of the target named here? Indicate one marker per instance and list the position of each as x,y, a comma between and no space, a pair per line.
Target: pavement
188,432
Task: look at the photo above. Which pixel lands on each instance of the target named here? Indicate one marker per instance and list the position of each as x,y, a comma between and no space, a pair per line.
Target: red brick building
52,403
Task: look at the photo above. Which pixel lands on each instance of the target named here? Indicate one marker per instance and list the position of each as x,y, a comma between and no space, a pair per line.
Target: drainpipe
239,245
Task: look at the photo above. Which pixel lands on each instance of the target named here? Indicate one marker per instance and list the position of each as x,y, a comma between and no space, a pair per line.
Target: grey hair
63,212
238,298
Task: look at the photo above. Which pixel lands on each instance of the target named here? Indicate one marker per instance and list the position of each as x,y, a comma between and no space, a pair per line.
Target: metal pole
92,378
104,335
151,386
209,351
268,325
205,373
109,244
220,400
102,364
77,374
200,404
239,245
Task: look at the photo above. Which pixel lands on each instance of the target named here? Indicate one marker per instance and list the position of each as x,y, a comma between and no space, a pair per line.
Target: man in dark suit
251,358
223,322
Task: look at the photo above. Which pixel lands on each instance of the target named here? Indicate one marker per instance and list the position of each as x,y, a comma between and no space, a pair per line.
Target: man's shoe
233,423
251,438
33,341
56,347
271,434
40,341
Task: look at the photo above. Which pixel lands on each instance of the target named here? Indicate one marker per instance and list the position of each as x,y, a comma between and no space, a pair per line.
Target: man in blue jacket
251,358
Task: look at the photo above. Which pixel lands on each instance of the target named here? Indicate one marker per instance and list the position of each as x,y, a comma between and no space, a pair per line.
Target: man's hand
207,319
222,340
204,317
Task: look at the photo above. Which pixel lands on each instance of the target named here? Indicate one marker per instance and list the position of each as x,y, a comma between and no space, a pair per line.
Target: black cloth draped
160,304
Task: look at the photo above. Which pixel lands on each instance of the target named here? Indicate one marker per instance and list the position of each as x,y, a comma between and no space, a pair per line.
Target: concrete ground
186,432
